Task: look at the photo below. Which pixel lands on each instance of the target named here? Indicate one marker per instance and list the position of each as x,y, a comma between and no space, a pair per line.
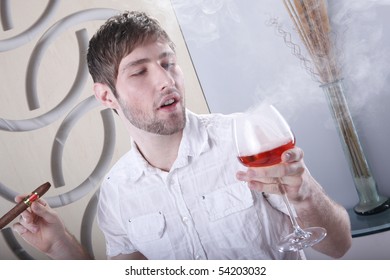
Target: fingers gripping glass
261,137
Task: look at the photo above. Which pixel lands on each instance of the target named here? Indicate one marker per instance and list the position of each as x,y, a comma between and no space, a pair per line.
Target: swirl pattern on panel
69,109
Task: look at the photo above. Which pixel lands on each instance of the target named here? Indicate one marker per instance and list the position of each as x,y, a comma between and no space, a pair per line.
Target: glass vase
370,201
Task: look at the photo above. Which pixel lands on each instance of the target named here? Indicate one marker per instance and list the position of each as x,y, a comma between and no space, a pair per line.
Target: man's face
150,87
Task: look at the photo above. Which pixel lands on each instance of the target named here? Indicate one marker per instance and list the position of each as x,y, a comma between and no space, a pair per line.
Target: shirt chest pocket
227,200
147,233
232,218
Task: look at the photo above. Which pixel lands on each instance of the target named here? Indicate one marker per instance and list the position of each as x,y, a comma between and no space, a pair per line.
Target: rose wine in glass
261,137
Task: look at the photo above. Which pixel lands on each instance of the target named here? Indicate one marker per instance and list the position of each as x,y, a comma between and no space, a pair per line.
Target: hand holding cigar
24,204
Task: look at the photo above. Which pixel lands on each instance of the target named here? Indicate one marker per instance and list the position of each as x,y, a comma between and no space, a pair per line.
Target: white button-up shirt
197,210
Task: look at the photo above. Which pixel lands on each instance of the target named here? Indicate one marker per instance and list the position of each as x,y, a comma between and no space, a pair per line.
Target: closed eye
138,73
168,65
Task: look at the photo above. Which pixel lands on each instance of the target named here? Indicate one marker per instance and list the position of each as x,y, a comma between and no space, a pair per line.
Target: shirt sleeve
110,222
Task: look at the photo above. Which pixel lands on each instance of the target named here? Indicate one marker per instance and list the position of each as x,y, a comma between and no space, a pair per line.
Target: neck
159,151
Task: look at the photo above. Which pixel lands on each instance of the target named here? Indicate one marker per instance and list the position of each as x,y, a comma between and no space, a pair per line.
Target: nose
164,78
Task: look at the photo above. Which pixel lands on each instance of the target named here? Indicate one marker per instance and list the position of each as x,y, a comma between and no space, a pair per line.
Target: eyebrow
135,63
146,60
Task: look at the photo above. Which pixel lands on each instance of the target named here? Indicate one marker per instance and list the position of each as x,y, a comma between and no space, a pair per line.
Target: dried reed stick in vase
311,21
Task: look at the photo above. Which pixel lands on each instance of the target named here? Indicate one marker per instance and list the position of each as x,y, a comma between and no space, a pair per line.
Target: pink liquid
267,158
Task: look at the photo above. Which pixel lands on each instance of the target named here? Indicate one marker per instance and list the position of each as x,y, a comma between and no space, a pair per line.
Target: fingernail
19,231
34,229
244,176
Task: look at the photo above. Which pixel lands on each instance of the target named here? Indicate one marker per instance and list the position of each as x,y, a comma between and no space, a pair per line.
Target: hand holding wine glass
261,137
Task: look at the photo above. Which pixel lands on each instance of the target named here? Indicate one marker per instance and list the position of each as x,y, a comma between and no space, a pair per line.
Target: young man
178,193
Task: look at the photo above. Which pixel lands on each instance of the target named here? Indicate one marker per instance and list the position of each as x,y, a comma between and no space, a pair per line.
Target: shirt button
185,219
198,257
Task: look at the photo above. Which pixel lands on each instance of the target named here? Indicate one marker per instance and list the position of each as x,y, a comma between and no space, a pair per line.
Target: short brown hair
118,37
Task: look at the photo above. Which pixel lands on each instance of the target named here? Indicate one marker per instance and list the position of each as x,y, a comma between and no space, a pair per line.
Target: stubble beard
175,123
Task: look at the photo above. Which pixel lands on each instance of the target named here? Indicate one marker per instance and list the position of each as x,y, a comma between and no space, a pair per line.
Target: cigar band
30,199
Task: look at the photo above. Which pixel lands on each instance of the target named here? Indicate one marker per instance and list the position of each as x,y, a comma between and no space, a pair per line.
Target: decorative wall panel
51,127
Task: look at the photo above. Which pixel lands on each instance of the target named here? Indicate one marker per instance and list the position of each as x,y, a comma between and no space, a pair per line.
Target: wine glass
261,136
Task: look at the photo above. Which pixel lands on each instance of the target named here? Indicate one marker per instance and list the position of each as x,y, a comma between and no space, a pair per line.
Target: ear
105,96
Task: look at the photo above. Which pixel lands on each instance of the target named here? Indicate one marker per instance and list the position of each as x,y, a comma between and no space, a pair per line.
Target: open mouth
169,103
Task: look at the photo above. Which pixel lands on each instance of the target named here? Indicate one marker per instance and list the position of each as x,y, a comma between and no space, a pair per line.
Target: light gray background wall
240,59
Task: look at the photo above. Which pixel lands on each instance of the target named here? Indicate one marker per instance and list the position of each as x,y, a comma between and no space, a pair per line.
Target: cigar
24,204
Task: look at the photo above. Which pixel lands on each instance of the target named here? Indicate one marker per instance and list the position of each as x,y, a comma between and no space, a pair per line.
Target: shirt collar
195,137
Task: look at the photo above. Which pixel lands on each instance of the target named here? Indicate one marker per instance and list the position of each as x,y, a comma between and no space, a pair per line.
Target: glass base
301,239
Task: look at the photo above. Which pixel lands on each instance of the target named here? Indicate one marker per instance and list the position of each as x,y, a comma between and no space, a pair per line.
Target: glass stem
297,228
